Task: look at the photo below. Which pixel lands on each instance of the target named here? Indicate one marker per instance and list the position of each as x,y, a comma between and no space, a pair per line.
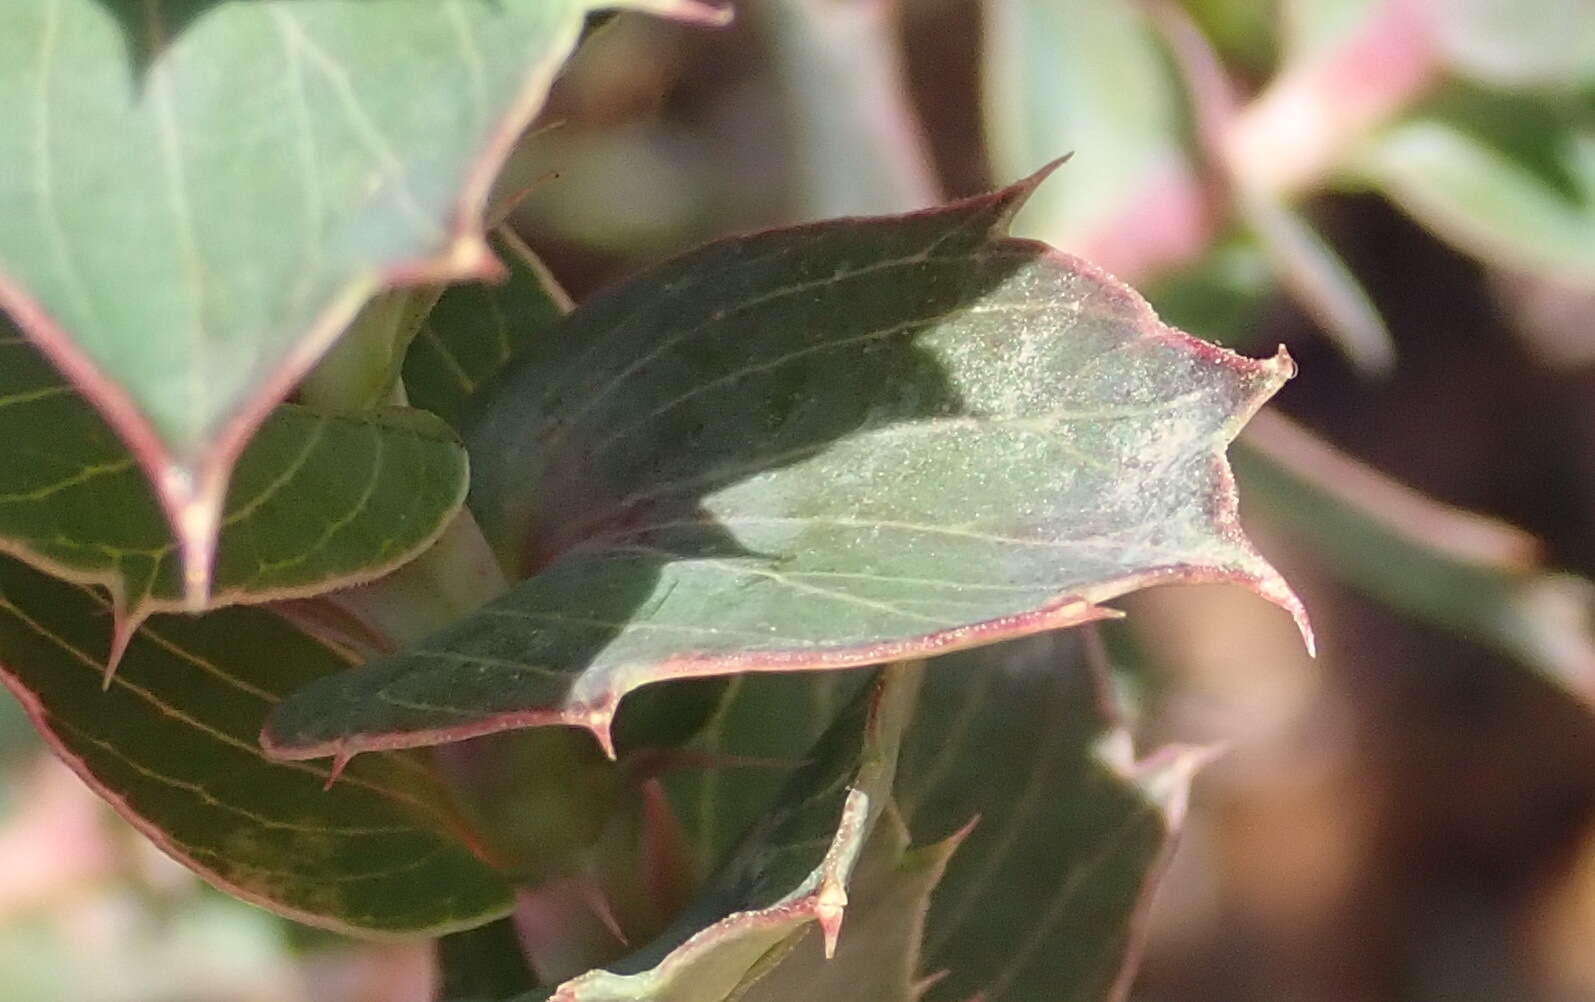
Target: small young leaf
877,957
171,746
200,196
791,870
820,447
735,766
318,501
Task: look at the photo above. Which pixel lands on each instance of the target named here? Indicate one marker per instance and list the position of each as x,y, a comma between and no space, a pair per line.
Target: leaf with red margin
828,446
318,501
789,872
199,198
171,746
1016,756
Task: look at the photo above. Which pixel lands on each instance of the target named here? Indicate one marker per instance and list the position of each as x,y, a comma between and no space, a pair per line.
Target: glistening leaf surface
317,502
199,195
790,870
825,446
171,746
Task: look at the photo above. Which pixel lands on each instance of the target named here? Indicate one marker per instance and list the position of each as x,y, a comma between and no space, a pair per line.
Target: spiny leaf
1014,756
791,870
819,447
318,501
474,330
171,746
878,956
200,196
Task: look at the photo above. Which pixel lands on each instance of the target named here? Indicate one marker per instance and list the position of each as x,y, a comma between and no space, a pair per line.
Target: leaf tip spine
829,907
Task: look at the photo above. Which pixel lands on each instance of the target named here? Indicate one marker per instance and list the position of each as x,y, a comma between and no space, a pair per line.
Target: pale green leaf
1089,78
1465,573
1510,179
199,195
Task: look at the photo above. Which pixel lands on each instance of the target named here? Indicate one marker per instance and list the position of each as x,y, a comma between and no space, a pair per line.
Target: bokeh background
1400,191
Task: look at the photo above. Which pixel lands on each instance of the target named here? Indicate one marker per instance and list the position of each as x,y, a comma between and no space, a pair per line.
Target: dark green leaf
483,963
790,870
819,447
171,745
318,501
1014,758
761,731
473,331
199,196
1044,897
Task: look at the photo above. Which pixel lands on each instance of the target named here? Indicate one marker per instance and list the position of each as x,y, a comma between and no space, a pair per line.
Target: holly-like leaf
878,957
474,330
199,196
791,869
1014,756
171,746
818,447
318,501
1045,895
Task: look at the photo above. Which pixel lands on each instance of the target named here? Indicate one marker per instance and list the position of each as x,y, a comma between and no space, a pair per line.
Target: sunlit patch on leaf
829,446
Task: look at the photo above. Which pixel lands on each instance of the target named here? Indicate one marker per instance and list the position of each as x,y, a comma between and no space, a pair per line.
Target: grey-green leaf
318,501
199,196
171,746
827,446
